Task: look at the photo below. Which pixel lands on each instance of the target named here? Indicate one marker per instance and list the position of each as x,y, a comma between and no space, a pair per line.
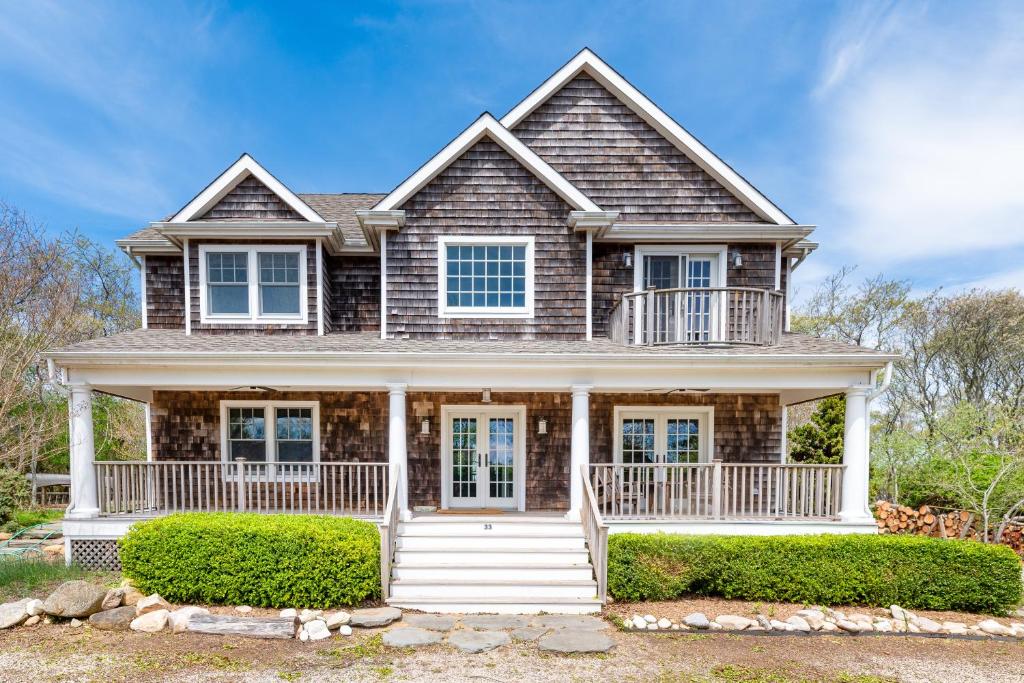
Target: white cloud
925,133
1007,279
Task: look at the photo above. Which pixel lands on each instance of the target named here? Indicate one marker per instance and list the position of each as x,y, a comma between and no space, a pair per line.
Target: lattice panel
96,554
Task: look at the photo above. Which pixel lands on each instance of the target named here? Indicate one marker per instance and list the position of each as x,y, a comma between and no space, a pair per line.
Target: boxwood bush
912,571
252,559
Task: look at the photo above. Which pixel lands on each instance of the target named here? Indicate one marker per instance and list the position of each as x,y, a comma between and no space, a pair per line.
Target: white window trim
445,311
642,250
254,316
705,416
270,422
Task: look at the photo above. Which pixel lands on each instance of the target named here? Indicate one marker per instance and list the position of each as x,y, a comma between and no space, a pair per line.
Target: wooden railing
158,488
596,532
389,535
698,315
717,491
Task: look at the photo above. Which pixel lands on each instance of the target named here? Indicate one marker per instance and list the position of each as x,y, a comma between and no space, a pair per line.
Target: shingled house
569,322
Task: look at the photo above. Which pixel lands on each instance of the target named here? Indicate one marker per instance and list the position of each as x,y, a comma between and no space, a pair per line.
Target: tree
820,440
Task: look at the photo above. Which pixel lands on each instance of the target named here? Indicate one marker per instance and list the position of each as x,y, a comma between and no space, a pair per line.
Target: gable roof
594,66
486,126
250,200
231,178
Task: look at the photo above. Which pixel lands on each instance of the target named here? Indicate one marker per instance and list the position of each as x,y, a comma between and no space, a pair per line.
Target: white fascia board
706,232
142,247
328,232
652,114
486,126
597,222
226,181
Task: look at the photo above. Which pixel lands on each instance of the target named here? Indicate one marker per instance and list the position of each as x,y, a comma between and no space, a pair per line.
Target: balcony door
686,316
483,456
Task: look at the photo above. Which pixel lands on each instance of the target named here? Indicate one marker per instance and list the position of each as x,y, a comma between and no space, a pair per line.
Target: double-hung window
485,277
258,284
683,313
284,435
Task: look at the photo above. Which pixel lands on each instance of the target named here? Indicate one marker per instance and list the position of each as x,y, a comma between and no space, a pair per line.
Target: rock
1018,629
150,622
112,599
317,629
652,627
800,623
697,620
639,622
374,617
131,596
303,636
664,623
580,623
814,618
14,613
714,626
675,627
289,613
1019,612
75,599
852,626
649,618
244,609
151,603
882,626
76,623
529,633
899,626
478,641
764,622
900,614
494,622
33,620
431,622
994,628
927,625
336,619
117,619
345,630
860,618
34,608
570,640
734,623
411,637
913,628
781,626
955,628
178,620
828,626
308,615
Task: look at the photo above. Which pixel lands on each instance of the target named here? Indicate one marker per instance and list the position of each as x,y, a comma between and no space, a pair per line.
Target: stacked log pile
927,521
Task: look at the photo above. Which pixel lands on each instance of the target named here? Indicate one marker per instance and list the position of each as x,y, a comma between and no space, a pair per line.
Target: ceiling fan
681,390
253,388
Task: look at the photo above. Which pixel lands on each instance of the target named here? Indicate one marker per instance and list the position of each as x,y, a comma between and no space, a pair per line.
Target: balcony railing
698,315
717,491
160,488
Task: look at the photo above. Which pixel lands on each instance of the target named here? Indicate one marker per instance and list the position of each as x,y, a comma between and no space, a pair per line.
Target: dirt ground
60,653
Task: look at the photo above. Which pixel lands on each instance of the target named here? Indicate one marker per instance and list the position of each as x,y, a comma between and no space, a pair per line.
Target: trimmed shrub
914,572
253,559
14,493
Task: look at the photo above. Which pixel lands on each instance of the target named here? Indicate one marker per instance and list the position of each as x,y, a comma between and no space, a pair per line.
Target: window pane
488,276
247,434
280,299
229,299
295,451
253,451
229,267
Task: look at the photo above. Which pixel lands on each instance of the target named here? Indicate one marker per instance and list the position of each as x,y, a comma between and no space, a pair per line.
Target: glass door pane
501,461
698,304
682,440
663,272
464,460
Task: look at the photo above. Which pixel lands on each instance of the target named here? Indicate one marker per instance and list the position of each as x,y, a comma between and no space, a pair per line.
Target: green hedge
251,559
915,572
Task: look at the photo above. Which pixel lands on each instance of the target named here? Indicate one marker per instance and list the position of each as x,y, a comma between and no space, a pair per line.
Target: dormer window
485,277
257,284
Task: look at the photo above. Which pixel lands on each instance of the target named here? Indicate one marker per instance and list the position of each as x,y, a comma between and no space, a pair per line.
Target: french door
482,458
684,316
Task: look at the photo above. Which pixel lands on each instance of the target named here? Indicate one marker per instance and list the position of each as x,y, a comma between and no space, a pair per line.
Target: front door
482,451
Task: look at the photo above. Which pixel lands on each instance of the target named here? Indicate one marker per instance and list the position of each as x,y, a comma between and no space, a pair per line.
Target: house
571,321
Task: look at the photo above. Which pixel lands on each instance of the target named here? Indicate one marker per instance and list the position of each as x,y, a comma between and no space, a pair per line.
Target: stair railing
596,532
388,529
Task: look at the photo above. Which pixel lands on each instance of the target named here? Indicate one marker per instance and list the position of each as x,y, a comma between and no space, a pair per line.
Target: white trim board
143,292
595,67
486,126
519,467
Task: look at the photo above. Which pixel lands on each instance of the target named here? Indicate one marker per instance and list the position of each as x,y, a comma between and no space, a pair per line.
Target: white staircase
493,564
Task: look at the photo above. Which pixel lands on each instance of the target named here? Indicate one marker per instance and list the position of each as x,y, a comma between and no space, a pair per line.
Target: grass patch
22,519
21,578
370,648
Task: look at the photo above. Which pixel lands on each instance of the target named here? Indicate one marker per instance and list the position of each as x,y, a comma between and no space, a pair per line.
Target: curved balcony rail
698,315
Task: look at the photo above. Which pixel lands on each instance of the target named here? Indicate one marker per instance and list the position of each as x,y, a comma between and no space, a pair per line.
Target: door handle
480,460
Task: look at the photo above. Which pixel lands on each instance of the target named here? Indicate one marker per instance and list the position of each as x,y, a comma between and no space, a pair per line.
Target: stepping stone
570,621
495,622
378,616
431,622
568,640
478,641
529,633
411,637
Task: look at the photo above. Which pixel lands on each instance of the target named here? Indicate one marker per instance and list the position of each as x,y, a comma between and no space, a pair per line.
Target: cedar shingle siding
623,164
165,292
487,192
251,200
354,282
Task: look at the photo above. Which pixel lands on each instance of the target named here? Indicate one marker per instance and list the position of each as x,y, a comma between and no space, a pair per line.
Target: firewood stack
925,521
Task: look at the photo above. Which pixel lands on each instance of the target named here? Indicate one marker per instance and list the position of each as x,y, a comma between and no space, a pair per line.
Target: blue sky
897,128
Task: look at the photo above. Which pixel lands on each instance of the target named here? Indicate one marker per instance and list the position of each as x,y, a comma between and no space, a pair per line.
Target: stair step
492,572
487,604
459,588
478,541
507,557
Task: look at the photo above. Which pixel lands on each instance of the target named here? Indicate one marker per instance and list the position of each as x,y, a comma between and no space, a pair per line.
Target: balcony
698,316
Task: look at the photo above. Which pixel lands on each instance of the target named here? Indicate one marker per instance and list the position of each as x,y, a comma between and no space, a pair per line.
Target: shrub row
253,559
914,572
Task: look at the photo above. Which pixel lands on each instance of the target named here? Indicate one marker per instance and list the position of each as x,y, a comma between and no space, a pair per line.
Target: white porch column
854,507
83,474
398,456
580,451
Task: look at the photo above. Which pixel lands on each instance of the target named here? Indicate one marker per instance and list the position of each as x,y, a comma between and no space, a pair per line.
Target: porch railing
389,535
717,491
159,488
596,532
698,315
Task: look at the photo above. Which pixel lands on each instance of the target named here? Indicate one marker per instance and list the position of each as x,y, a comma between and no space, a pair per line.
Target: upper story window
683,266
485,277
260,284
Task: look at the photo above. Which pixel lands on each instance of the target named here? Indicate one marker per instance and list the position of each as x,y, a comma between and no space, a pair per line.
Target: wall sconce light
425,426
487,396
542,426
737,259
627,259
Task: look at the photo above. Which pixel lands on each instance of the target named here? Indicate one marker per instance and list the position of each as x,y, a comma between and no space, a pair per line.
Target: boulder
828,626
478,641
14,613
955,628
664,623
150,622
336,619
243,609
994,628
697,620
852,626
151,603
113,598
377,616
764,622
76,623
800,623
131,596
411,637
289,613
117,619
33,620
75,599
900,614
714,626
814,618
1017,628
882,626
927,625
34,608
178,620
781,625
345,630
860,618
305,616
570,640
639,622
316,630
649,618
732,622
